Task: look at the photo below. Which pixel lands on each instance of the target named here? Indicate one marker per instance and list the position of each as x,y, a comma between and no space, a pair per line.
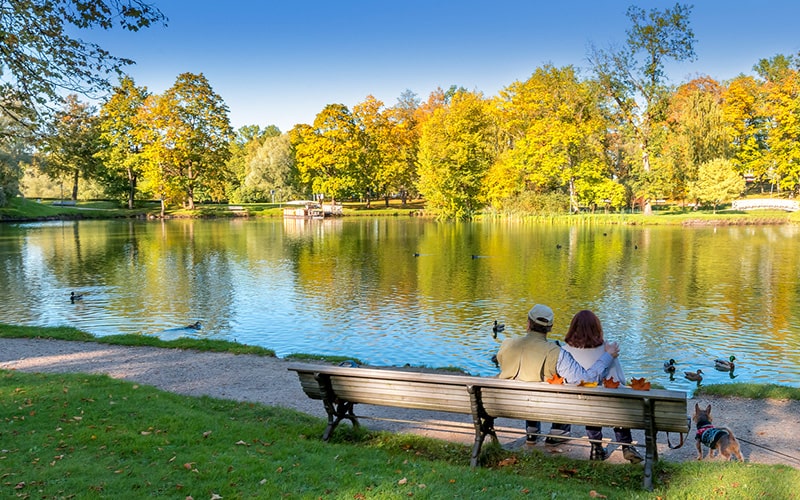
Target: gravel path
765,428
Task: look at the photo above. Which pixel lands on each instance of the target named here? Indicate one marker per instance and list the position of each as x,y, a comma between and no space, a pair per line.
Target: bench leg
337,413
651,449
483,423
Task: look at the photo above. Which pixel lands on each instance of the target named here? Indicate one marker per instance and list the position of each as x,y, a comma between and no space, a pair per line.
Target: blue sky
280,63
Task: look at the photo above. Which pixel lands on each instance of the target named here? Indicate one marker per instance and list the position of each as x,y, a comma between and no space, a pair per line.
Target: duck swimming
725,366
75,296
497,328
694,376
669,366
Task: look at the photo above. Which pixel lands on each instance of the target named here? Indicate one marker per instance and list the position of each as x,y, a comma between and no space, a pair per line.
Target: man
533,358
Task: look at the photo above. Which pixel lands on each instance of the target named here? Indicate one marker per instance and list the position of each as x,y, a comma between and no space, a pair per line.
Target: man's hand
612,348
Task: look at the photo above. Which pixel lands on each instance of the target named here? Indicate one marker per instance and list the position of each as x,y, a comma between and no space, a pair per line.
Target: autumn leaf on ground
206,434
402,481
242,443
595,494
610,383
566,472
214,496
507,461
587,384
555,379
640,384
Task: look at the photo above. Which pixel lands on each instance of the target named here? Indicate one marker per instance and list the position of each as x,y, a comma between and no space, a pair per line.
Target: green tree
187,142
120,125
41,57
327,153
246,143
457,146
71,143
634,80
717,181
270,171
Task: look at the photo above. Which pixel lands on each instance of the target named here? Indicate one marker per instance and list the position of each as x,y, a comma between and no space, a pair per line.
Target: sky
281,62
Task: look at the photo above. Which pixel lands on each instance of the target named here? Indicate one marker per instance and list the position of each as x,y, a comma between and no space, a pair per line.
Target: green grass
88,436
69,333
751,391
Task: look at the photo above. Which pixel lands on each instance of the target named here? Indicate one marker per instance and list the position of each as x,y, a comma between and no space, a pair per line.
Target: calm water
354,287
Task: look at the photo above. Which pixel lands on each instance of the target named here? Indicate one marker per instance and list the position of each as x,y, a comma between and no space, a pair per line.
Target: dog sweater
710,435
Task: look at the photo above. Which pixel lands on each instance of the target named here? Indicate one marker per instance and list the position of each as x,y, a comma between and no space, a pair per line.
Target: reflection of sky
354,288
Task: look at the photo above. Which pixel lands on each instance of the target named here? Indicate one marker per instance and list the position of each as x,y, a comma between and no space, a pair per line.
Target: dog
717,439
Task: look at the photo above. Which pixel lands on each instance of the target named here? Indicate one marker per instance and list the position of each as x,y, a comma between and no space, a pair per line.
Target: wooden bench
486,399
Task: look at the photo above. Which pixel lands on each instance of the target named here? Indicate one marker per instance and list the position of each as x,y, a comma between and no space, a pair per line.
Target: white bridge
766,204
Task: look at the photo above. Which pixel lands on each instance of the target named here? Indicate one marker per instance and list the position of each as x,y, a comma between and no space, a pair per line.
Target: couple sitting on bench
585,358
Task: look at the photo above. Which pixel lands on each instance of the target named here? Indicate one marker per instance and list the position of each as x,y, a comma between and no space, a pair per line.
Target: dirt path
765,428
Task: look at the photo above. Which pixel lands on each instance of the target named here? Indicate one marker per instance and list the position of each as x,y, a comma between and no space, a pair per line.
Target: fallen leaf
587,384
214,496
507,461
595,494
206,434
640,384
610,383
241,443
402,481
555,379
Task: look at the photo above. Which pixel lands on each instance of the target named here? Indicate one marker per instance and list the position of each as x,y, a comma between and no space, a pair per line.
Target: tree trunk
131,188
75,186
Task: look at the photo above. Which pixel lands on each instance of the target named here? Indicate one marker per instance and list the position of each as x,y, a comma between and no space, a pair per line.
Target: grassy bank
86,436
21,209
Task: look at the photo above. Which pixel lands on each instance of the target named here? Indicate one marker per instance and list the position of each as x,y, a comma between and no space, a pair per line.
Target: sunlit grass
90,436
749,390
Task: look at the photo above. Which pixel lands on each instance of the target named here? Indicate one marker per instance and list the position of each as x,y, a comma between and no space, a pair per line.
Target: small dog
719,439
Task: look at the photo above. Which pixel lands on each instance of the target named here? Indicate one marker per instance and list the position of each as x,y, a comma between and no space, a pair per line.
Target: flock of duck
724,365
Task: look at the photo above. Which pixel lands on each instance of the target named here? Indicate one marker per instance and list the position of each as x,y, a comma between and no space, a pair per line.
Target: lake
396,290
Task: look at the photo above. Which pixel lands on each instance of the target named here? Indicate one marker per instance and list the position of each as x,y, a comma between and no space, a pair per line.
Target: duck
497,328
194,326
75,296
726,366
669,366
694,376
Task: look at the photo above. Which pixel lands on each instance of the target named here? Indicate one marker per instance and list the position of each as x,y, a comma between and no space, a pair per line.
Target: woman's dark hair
585,330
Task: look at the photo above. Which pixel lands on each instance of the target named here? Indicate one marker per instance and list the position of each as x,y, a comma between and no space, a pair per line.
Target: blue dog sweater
710,435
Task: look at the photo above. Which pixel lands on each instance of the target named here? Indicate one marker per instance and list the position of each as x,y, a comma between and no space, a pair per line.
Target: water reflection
395,291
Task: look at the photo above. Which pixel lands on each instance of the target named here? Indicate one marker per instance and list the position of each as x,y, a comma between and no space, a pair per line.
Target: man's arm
574,373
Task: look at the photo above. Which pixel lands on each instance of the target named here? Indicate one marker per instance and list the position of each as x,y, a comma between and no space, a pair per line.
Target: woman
585,342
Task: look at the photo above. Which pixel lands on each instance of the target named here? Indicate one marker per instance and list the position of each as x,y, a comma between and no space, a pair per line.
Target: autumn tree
457,146
697,133
71,143
555,138
634,79
744,110
121,122
717,182
327,154
783,102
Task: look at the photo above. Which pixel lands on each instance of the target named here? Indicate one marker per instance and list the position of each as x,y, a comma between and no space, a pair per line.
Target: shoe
631,454
556,440
598,452
531,440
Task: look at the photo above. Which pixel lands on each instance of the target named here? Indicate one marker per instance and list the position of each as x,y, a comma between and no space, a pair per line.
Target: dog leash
790,457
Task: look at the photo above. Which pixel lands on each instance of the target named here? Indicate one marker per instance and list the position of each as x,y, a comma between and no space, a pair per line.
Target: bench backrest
621,407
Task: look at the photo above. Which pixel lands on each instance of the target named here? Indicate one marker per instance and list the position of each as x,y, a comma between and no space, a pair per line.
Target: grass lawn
90,436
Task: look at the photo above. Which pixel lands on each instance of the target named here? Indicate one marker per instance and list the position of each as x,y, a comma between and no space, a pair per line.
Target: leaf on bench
640,384
587,384
555,379
610,383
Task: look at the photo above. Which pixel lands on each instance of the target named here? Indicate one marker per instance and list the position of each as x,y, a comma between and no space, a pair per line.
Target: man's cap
541,315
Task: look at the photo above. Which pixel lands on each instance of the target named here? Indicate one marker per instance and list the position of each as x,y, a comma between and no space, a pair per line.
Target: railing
766,204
